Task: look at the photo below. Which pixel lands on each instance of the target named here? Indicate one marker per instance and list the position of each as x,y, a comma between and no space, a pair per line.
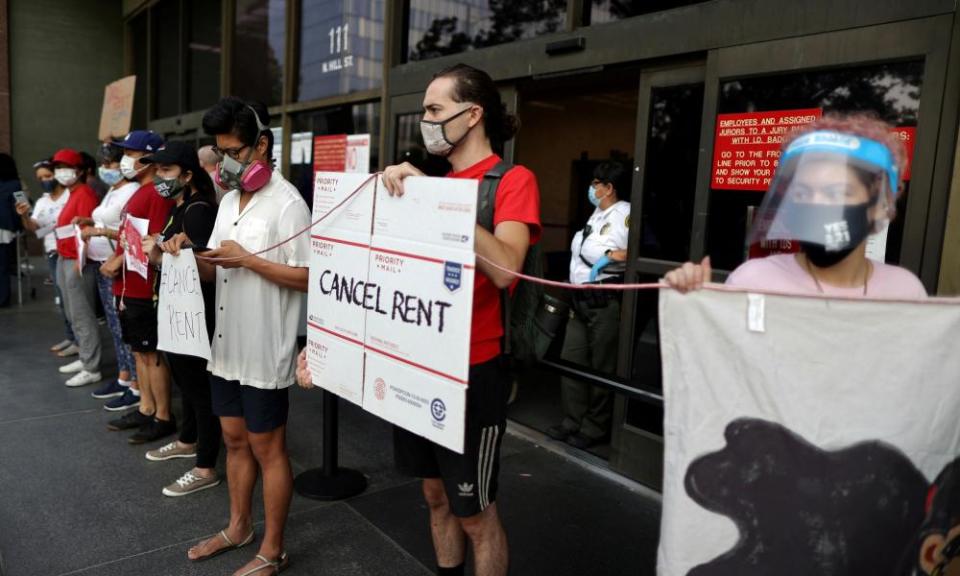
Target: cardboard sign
117,109
746,148
390,310
342,153
133,230
181,316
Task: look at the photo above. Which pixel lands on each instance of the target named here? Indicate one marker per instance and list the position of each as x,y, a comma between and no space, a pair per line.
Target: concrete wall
62,54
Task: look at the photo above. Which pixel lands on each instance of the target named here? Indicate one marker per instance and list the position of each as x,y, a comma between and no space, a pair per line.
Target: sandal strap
273,564
223,534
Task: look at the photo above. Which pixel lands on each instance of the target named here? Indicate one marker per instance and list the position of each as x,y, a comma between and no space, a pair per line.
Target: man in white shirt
258,307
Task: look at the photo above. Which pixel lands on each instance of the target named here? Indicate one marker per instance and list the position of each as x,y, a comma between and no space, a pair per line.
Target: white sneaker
75,366
83,378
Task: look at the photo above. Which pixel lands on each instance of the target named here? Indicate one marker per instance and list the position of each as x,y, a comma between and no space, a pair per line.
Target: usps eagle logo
452,275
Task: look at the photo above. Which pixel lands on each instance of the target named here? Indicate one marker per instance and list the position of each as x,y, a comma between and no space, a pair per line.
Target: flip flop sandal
230,546
277,566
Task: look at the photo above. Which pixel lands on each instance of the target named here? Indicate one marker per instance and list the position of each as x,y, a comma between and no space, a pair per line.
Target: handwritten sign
133,230
390,300
117,108
181,317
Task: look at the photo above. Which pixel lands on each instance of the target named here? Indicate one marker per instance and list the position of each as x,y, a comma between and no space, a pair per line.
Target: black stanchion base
319,485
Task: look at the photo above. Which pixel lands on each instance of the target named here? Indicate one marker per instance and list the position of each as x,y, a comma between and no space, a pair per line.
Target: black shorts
470,479
261,410
138,323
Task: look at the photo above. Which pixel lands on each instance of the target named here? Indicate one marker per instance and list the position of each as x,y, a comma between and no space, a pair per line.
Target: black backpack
525,337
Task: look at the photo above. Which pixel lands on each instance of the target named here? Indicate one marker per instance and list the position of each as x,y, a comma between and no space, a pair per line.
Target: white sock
135,392
124,383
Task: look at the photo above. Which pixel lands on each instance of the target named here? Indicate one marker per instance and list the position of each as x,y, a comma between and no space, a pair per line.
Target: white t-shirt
45,212
608,231
255,340
107,215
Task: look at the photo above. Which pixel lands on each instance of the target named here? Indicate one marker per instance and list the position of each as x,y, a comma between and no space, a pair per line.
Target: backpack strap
487,194
486,201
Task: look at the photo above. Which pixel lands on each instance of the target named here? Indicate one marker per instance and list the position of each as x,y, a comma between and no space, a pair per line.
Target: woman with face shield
837,183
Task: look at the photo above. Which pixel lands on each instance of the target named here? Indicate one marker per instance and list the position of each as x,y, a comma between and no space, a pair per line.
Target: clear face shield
830,192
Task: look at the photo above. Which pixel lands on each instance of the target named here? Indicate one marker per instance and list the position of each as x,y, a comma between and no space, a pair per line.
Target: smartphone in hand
21,196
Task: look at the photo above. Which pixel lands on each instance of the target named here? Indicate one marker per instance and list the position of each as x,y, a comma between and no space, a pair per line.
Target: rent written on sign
390,300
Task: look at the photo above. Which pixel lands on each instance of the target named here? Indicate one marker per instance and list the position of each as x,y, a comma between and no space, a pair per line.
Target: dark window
600,11
165,19
645,359
341,47
670,172
203,53
345,120
441,27
890,90
259,45
141,62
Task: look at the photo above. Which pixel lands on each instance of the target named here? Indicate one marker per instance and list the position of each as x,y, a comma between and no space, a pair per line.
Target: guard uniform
594,324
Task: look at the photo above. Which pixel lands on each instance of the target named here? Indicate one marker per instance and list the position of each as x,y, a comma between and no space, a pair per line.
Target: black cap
176,152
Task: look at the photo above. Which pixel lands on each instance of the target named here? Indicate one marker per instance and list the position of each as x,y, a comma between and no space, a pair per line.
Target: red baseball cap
67,156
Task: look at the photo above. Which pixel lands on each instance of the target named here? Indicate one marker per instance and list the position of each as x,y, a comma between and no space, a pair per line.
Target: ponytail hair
473,85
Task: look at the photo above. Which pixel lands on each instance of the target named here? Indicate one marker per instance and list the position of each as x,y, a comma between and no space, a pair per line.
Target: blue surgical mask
109,176
592,196
49,185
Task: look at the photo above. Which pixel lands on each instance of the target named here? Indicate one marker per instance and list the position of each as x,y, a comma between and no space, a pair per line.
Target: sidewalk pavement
77,499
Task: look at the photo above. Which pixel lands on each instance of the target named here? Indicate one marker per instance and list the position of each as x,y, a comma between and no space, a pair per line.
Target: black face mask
837,235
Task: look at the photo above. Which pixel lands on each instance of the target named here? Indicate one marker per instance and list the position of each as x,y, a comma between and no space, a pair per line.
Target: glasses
231,152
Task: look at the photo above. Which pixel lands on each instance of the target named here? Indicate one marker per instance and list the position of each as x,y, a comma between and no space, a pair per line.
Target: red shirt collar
477,170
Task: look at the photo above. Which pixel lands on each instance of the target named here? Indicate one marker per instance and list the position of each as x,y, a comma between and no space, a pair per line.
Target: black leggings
199,425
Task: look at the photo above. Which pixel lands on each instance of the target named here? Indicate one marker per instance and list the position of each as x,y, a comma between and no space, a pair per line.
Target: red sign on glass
746,147
330,153
907,134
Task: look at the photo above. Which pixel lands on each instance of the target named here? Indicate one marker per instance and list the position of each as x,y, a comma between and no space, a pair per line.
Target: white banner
181,318
390,301
807,436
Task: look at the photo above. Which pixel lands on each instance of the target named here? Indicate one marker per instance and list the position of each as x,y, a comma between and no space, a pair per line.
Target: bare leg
159,375
270,450
241,477
489,542
448,536
147,405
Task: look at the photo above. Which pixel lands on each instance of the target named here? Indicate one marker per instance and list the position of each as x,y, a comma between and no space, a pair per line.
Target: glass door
668,133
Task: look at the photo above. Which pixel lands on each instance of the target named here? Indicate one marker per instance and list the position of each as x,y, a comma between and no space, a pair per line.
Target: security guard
599,256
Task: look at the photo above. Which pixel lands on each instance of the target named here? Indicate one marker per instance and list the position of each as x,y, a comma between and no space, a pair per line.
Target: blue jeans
125,361
52,264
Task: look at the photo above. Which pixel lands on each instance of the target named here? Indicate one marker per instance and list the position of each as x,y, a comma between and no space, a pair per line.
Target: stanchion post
330,482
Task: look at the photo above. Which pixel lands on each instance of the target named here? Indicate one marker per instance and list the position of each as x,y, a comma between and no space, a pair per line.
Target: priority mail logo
452,275
379,389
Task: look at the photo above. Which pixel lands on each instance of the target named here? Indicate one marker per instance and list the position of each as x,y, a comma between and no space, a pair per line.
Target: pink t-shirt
782,273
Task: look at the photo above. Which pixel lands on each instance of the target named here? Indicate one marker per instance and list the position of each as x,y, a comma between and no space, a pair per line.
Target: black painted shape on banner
801,510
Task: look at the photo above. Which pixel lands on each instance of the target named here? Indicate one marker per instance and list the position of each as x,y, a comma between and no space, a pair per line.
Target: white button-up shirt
608,231
255,340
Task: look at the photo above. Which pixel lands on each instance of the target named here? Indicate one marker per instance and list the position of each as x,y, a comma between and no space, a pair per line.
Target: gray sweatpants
79,304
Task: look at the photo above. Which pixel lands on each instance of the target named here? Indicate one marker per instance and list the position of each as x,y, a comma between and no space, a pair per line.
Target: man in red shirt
463,120
78,287
136,304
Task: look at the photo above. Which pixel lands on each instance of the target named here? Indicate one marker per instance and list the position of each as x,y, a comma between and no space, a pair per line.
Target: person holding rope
260,261
599,253
463,120
837,183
